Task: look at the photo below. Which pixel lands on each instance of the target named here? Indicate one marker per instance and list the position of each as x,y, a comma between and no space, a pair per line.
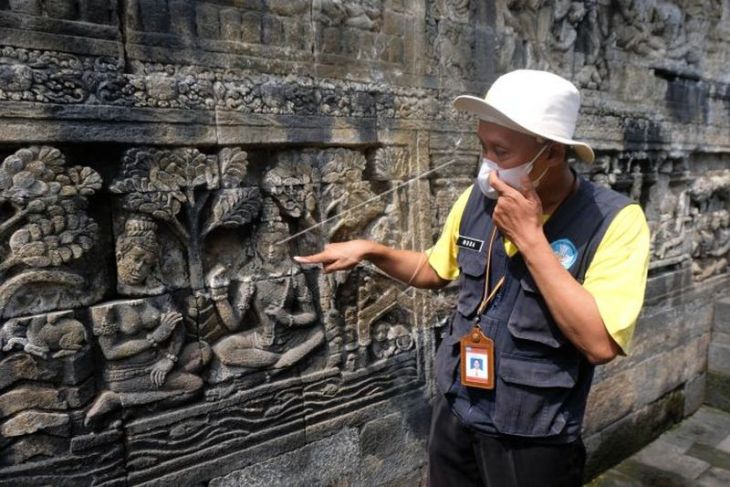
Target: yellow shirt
616,277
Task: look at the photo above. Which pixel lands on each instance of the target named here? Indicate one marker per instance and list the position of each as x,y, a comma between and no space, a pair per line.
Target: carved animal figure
45,335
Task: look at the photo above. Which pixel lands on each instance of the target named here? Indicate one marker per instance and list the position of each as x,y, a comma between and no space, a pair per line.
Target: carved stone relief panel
46,365
93,11
580,40
47,235
451,35
709,195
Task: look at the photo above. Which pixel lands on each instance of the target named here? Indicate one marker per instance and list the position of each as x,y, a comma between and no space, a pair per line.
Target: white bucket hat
532,102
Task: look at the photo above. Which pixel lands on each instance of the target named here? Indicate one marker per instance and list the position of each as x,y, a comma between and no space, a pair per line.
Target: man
552,274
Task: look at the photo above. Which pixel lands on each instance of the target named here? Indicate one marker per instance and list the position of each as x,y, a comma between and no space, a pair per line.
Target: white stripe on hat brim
486,112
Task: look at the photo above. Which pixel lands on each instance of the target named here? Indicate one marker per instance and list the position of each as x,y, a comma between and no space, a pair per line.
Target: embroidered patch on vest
565,251
470,243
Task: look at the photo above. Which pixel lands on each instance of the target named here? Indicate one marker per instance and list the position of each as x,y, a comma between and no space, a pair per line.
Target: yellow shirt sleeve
617,274
442,256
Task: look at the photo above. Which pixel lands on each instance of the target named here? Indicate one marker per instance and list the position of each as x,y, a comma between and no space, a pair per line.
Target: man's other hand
518,214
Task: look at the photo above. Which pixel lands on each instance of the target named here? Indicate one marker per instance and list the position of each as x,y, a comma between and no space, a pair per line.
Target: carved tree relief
45,205
174,187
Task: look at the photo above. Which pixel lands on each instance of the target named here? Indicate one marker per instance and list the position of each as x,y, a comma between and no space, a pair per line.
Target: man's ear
556,154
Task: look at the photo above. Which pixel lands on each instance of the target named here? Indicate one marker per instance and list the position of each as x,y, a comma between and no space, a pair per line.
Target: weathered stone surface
719,354
629,434
718,391
32,447
714,477
694,394
722,317
724,445
324,462
31,397
29,422
662,455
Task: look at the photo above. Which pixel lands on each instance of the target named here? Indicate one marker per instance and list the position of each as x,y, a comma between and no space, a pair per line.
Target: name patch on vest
565,251
469,243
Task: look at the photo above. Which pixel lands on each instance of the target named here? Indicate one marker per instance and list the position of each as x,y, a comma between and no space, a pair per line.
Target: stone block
666,456
288,7
29,7
38,446
251,27
610,400
633,432
22,366
694,394
61,9
722,316
331,39
393,445
82,443
711,455
97,11
664,372
182,17
720,338
394,23
395,50
230,24
719,357
324,462
718,391
714,477
154,15
724,445
207,21
29,422
272,31
31,396
297,35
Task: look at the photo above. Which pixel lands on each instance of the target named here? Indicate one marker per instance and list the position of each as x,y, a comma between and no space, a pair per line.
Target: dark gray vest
542,380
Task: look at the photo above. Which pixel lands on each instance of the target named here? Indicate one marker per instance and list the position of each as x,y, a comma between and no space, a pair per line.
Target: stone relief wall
162,160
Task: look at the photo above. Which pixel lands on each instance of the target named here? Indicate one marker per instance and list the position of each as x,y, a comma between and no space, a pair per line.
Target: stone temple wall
157,156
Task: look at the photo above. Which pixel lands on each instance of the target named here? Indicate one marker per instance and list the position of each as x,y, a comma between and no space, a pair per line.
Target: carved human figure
346,199
273,308
291,186
717,245
389,340
142,346
137,255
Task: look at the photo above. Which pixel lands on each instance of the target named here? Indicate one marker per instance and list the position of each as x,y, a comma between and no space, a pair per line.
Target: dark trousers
460,457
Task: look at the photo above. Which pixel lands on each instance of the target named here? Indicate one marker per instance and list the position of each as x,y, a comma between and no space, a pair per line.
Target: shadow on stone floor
696,452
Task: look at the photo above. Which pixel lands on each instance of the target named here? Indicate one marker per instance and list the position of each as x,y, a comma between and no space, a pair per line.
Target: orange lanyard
489,295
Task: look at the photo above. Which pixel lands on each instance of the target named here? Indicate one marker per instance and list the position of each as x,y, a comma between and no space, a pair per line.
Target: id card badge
477,360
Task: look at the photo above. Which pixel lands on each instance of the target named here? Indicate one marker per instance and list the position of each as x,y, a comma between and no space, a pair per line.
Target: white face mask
512,176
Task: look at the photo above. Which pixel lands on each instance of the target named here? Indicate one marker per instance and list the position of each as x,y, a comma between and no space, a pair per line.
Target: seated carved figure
274,307
142,346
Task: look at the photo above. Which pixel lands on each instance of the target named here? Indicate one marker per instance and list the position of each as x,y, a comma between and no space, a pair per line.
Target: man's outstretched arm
406,266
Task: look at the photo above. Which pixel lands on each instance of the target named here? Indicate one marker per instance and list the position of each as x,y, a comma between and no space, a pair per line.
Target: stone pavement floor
696,452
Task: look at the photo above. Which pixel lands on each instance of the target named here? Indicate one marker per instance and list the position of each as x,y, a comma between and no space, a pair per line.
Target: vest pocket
472,268
445,361
531,394
530,318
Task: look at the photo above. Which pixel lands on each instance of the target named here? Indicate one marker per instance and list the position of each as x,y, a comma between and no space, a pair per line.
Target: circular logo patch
565,251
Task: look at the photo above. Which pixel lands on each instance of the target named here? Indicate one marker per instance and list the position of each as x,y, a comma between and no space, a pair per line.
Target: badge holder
477,349
477,359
